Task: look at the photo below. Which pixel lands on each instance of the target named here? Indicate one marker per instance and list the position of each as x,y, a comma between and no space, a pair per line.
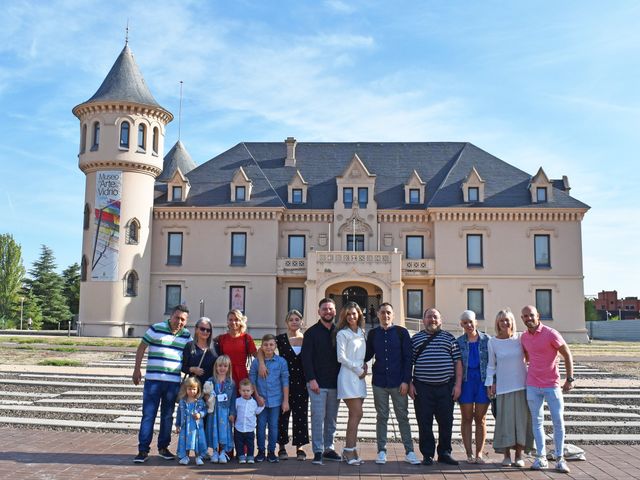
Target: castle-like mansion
270,226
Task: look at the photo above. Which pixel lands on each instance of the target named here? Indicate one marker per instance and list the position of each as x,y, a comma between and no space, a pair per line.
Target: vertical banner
237,298
104,264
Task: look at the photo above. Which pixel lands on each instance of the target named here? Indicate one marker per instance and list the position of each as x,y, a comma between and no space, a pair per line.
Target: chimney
290,161
565,183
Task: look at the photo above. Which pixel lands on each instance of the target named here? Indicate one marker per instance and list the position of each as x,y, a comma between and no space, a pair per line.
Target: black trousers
434,401
299,410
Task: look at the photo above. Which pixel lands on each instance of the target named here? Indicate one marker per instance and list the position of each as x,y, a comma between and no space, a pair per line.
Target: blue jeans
324,416
535,398
269,416
156,394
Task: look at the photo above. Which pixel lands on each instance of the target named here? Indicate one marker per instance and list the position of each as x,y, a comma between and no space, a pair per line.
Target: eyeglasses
202,329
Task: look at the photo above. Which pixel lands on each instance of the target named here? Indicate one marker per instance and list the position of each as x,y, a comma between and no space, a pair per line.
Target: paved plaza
66,423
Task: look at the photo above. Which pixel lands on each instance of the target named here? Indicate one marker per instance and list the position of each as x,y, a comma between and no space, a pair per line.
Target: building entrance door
365,301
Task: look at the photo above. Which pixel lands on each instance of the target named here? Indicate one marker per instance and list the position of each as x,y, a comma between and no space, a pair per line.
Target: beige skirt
513,422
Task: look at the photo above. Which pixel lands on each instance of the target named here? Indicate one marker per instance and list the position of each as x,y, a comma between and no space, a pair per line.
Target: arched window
83,269
83,139
142,137
87,216
96,136
133,232
131,284
156,133
124,135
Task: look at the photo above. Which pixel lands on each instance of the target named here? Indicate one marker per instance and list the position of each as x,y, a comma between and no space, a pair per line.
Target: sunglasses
202,329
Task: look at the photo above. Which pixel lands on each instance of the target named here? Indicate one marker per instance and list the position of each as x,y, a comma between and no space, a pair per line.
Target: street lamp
21,309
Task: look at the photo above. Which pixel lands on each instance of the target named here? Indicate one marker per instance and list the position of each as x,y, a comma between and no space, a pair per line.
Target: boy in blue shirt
272,392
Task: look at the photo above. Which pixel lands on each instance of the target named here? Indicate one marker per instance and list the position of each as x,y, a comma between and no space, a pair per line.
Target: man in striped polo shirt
166,341
437,382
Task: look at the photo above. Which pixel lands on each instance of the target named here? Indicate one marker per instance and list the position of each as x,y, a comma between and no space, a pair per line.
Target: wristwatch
571,379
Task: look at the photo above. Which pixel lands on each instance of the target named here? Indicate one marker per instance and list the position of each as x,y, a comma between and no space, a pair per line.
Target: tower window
83,140
96,136
124,135
155,139
87,216
142,137
131,284
83,269
133,232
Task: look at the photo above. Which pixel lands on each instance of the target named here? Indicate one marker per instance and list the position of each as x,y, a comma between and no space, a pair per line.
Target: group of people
231,389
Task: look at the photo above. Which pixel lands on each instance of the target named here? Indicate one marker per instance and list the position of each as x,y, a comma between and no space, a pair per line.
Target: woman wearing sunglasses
199,354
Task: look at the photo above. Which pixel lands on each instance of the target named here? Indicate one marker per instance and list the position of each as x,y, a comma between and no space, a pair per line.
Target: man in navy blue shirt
391,346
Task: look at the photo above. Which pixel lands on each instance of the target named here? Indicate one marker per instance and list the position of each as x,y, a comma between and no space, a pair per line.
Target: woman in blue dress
219,428
474,402
189,423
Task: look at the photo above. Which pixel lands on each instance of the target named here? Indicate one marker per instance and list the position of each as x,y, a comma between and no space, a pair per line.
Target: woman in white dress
351,348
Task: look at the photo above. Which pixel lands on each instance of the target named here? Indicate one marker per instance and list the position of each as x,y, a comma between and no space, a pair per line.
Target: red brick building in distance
627,308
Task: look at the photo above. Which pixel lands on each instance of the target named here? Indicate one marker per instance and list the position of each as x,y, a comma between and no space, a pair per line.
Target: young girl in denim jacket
219,427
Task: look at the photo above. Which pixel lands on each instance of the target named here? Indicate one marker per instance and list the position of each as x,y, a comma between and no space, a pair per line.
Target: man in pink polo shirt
541,345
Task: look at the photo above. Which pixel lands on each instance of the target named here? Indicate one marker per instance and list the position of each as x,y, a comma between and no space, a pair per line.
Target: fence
628,330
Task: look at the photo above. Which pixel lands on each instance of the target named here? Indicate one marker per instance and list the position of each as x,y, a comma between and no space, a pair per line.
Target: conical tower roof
124,82
177,157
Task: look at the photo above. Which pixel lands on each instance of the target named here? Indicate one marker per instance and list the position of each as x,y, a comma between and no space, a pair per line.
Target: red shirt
237,348
541,348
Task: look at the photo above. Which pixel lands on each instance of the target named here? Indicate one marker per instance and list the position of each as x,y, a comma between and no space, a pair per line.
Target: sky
544,83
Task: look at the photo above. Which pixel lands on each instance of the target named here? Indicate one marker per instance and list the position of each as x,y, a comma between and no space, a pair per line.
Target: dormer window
240,187
296,196
414,190
414,196
176,193
347,197
541,194
297,189
124,135
473,187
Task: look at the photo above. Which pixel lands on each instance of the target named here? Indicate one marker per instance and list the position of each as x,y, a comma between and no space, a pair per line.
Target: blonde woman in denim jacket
474,402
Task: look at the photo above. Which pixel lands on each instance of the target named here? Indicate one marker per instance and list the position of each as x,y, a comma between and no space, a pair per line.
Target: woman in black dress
289,347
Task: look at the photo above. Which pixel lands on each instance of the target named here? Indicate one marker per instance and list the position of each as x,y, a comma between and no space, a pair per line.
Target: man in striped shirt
437,382
166,341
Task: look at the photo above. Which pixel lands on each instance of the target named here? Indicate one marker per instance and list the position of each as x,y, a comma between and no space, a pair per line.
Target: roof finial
180,111
126,35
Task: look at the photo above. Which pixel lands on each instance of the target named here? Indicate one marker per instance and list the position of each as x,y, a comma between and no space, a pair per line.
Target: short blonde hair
508,314
243,320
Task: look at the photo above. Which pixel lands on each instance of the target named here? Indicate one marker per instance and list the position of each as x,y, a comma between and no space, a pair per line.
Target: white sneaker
540,463
199,461
184,461
412,459
223,457
381,459
519,463
214,457
561,466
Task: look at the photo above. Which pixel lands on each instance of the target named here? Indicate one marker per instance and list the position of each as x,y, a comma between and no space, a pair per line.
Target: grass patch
25,347
63,349
76,341
60,362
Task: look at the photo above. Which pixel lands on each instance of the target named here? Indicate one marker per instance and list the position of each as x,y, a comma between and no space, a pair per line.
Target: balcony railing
418,267
293,267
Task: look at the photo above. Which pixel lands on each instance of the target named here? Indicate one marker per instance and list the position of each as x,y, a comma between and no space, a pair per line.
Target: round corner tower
122,130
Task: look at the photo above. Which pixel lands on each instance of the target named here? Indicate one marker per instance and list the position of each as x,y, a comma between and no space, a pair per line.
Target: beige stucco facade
353,249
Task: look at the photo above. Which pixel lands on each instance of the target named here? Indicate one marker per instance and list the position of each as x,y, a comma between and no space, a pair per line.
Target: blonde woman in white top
506,379
351,348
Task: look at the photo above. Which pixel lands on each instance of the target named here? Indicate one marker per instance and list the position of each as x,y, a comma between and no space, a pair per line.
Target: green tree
71,279
46,287
590,313
11,278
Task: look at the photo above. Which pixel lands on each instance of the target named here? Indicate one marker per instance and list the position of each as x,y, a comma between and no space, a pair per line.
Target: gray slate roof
443,166
178,157
124,82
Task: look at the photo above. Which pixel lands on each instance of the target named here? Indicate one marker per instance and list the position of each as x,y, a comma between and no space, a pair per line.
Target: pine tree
71,278
11,278
46,287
